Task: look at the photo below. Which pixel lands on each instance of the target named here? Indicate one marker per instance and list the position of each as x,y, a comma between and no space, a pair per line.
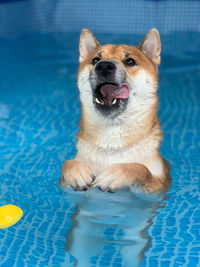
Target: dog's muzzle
108,89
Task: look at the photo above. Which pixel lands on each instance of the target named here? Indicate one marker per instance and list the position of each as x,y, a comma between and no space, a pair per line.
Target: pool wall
38,66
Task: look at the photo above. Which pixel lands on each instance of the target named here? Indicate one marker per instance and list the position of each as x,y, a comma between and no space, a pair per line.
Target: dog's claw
75,188
110,190
100,188
84,188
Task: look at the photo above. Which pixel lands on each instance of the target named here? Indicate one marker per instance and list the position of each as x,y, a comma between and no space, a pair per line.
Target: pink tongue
111,92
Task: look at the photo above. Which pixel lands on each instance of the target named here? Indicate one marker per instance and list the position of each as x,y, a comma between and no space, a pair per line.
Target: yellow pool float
9,215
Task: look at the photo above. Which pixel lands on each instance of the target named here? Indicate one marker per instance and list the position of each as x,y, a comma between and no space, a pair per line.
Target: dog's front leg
126,174
76,174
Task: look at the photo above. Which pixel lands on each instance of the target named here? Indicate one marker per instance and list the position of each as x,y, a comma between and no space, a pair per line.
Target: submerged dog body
119,138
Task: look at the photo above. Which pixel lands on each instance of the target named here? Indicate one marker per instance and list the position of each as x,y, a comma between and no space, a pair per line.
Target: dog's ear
151,46
88,43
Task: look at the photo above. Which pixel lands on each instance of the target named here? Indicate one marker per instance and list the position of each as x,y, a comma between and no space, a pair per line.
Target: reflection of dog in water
119,134
110,228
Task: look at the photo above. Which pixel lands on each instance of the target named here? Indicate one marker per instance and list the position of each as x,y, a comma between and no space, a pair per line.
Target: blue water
39,115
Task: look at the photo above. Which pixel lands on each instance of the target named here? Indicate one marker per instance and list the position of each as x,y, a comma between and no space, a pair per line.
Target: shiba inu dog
119,138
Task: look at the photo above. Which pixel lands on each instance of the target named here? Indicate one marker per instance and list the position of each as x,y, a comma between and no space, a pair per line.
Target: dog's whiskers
84,81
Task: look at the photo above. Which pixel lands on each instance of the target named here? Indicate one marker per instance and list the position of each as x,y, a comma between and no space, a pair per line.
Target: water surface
39,115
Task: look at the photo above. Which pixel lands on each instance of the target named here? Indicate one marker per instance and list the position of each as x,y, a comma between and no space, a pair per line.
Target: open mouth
109,94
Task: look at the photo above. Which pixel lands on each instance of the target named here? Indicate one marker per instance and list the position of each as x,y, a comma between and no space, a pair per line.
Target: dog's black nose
105,68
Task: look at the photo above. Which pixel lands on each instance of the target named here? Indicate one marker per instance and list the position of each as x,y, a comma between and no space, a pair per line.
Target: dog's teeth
99,101
114,101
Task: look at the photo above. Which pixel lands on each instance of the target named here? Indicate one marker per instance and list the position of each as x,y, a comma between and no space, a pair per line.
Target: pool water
39,116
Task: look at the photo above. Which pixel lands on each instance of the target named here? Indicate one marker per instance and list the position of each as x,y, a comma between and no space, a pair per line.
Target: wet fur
124,150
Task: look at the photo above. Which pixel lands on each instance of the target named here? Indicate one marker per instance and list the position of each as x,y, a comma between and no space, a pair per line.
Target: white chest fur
98,157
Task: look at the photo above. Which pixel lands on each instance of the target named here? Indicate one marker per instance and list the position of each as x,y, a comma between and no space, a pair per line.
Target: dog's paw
112,179
77,175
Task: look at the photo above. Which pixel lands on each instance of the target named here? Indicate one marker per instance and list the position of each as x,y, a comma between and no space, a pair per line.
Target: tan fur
121,174
78,174
123,151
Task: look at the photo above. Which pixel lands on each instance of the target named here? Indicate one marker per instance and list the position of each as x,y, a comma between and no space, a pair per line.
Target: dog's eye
95,60
130,62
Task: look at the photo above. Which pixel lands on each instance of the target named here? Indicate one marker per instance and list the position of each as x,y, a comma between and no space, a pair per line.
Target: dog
120,135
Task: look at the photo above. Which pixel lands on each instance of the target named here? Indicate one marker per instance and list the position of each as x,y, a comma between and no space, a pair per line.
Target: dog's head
118,79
